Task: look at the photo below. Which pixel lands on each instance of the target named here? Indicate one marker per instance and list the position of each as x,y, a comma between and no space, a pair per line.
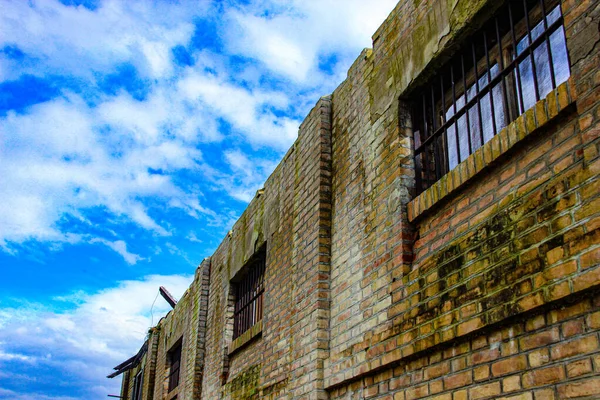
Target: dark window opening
174,357
248,290
137,386
500,72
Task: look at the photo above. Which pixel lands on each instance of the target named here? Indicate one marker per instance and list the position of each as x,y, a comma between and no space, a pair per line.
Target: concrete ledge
246,337
533,119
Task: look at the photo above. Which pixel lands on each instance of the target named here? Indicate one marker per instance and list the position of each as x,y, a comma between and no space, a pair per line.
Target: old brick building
434,232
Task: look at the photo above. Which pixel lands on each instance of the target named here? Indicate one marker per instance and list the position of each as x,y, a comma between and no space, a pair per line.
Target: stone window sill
533,119
246,337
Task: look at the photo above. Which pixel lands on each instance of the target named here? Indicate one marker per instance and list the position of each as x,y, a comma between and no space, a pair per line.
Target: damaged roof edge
130,362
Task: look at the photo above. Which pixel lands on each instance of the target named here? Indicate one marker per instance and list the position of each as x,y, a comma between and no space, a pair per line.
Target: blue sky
132,136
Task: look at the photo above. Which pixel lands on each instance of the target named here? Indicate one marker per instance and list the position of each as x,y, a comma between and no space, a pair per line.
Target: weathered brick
539,339
593,320
575,347
572,328
458,380
417,392
485,391
539,357
590,259
511,384
509,365
459,395
437,370
583,388
485,356
543,376
544,394
481,373
522,396
580,367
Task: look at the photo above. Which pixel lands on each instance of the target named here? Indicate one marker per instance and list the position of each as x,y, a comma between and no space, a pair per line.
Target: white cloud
12,395
120,247
192,237
102,330
246,110
293,35
63,156
239,162
79,41
245,176
12,356
66,156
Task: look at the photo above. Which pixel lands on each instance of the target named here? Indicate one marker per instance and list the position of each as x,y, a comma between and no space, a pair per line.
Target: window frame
138,385
248,291
174,358
447,128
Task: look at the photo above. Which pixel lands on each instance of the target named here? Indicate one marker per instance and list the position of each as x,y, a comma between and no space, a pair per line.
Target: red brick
544,376
481,373
539,357
576,347
484,391
436,387
522,396
459,395
583,388
437,370
568,312
485,356
469,326
590,259
580,367
593,320
446,396
544,394
539,339
458,380
511,383
509,365
572,328
535,323
417,392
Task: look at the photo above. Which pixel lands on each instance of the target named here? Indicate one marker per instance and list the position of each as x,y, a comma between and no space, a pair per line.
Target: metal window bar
517,69
548,46
248,309
432,153
474,54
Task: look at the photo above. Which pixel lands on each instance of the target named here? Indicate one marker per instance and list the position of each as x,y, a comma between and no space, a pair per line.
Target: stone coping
533,119
246,337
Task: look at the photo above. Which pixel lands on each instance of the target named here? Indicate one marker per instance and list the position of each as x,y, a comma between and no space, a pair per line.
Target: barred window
248,289
516,59
174,357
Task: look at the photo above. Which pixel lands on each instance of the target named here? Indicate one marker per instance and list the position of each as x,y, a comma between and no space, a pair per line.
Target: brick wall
554,354
290,215
185,323
483,286
514,231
